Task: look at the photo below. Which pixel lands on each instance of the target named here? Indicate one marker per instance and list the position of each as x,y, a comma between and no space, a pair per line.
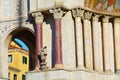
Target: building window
24,60
23,77
15,76
9,58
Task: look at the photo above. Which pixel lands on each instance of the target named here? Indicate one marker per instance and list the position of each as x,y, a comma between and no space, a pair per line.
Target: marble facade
82,44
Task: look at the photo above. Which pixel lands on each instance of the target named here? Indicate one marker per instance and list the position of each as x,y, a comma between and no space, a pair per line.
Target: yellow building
18,60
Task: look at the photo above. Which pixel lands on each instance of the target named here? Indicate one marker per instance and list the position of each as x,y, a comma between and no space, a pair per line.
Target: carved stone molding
57,13
7,27
78,13
87,15
116,20
106,19
38,17
96,17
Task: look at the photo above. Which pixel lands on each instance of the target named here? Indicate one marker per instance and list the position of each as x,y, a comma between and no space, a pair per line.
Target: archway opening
26,51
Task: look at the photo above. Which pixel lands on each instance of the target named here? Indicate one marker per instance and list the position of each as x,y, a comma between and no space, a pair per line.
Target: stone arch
26,34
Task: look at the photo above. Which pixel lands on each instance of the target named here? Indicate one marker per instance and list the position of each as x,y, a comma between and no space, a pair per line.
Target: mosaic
104,5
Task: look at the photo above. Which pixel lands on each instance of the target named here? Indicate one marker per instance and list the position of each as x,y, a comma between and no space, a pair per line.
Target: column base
108,71
89,68
98,69
81,67
58,66
36,69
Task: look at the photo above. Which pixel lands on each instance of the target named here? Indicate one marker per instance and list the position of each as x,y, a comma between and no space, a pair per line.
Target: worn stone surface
88,45
47,41
68,41
117,44
108,47
70,75
79,42
16,9
68,4
97,45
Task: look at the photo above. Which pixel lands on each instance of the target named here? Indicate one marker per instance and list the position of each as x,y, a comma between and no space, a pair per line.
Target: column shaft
117,43
108,47
38,43
58,13
79,43
58,42
88,45
97,45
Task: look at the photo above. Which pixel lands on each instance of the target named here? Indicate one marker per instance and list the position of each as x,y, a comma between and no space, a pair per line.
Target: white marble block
68,41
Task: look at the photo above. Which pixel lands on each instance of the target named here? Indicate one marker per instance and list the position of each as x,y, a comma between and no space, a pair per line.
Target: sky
24,46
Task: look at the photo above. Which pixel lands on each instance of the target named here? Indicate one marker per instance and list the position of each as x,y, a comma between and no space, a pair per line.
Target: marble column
88,41
39,43
97,44
78,14
117,43
58,13
108,45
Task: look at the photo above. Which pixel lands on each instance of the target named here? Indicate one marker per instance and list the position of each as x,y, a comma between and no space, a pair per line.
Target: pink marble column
39,43
57,13
117,44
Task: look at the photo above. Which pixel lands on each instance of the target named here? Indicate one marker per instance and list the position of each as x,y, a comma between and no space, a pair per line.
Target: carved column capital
87,15
57,13
96,17
78,13
116,20
38,17
106,19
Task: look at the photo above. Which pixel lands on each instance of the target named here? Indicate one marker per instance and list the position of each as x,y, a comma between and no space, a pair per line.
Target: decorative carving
116,20
43,53
87,15
74,13
57,13
4,28
106,19
96,17
38,17
78,13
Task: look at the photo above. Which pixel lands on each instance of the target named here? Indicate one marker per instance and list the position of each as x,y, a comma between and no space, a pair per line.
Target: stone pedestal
70,75
97,44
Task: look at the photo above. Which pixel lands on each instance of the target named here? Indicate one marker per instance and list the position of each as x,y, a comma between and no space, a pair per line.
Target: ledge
65,5
70,75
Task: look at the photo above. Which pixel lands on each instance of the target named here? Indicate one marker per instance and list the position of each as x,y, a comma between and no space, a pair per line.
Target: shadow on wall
50,20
